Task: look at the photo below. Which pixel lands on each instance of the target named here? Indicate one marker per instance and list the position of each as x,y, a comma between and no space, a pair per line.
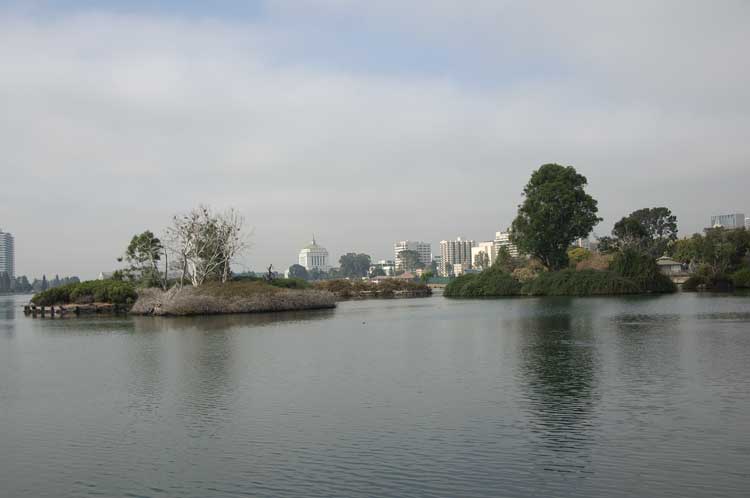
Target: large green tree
555,212
408,260
650,230
298,271
144,253
354,265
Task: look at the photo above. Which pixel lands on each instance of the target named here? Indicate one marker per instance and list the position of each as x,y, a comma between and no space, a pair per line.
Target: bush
741,278
290,283
102,291
580,283
643,270
712,283
493,282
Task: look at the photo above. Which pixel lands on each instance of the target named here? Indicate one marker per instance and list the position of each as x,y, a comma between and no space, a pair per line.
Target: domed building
314,257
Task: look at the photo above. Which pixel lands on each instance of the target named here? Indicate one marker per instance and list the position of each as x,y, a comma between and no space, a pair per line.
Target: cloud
111,123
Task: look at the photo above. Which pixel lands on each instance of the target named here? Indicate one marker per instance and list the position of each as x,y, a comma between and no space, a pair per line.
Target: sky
361,122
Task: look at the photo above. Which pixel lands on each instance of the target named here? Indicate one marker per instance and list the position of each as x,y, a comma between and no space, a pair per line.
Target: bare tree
205,244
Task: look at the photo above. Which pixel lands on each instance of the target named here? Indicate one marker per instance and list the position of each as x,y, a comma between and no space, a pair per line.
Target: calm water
431,397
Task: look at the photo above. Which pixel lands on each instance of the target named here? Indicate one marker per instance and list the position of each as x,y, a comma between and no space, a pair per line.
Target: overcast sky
364,122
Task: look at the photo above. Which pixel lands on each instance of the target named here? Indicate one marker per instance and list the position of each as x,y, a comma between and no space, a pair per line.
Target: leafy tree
578,254
144,253
408,260
555,212
298,271
354,265
650,230
377,272
317,274
482,260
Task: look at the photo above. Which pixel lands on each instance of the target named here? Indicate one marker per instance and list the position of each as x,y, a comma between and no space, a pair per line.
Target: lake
591,397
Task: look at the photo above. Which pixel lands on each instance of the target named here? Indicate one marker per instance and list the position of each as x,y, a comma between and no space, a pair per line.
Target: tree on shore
408,260
205,244
555,212
144,254
298,271
649,230
354,265
482,260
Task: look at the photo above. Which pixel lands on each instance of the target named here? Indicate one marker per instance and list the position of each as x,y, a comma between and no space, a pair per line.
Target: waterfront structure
502,239
314,257
423,250
388,267
729,221
454,252
481,248
669,266
7,254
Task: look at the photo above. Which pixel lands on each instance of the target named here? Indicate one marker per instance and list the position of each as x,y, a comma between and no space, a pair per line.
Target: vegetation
298,271
649,230
353,265
642,270
143,254
555,212
92,291
408,260
358,289
741,278
489,283
240,296
570,282
718,259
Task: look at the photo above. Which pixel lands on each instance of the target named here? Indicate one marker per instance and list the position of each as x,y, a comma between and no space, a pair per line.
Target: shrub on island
92,291
387,288
570,282
492,282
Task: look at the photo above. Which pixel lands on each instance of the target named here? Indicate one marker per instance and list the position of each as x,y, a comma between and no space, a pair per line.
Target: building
729,221
455,252
388,267
423,250
481,248
7,254
668,266
502,239
314,257
747,223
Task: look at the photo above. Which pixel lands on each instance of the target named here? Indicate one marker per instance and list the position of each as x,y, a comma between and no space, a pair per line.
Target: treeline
557,211
21,285
719,259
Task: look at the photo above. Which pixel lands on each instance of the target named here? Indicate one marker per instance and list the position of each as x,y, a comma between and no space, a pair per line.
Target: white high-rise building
314,257
487,248
455,252
7,254
502,239
423,250
729,221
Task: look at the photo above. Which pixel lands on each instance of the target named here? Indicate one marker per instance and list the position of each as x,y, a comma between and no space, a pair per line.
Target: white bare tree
205,244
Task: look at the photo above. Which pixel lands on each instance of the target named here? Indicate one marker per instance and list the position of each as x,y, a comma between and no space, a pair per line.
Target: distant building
729,221
502,239
747,223
7,254
314,257
423,250
487,248
388,266
668,266
455,252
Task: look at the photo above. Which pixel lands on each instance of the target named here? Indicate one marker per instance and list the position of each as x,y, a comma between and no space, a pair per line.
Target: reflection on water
429,397
559,368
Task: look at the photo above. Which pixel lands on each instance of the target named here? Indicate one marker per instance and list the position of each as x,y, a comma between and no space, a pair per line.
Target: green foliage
651,230
408,260
100,291
570,282
741,278
143,254
578,254
720,251
290,283
505,261
490,283
354,265
642,270
298,271
555,212
346,289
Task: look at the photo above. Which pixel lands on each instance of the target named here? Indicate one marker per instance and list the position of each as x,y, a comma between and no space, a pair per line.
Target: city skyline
366,122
